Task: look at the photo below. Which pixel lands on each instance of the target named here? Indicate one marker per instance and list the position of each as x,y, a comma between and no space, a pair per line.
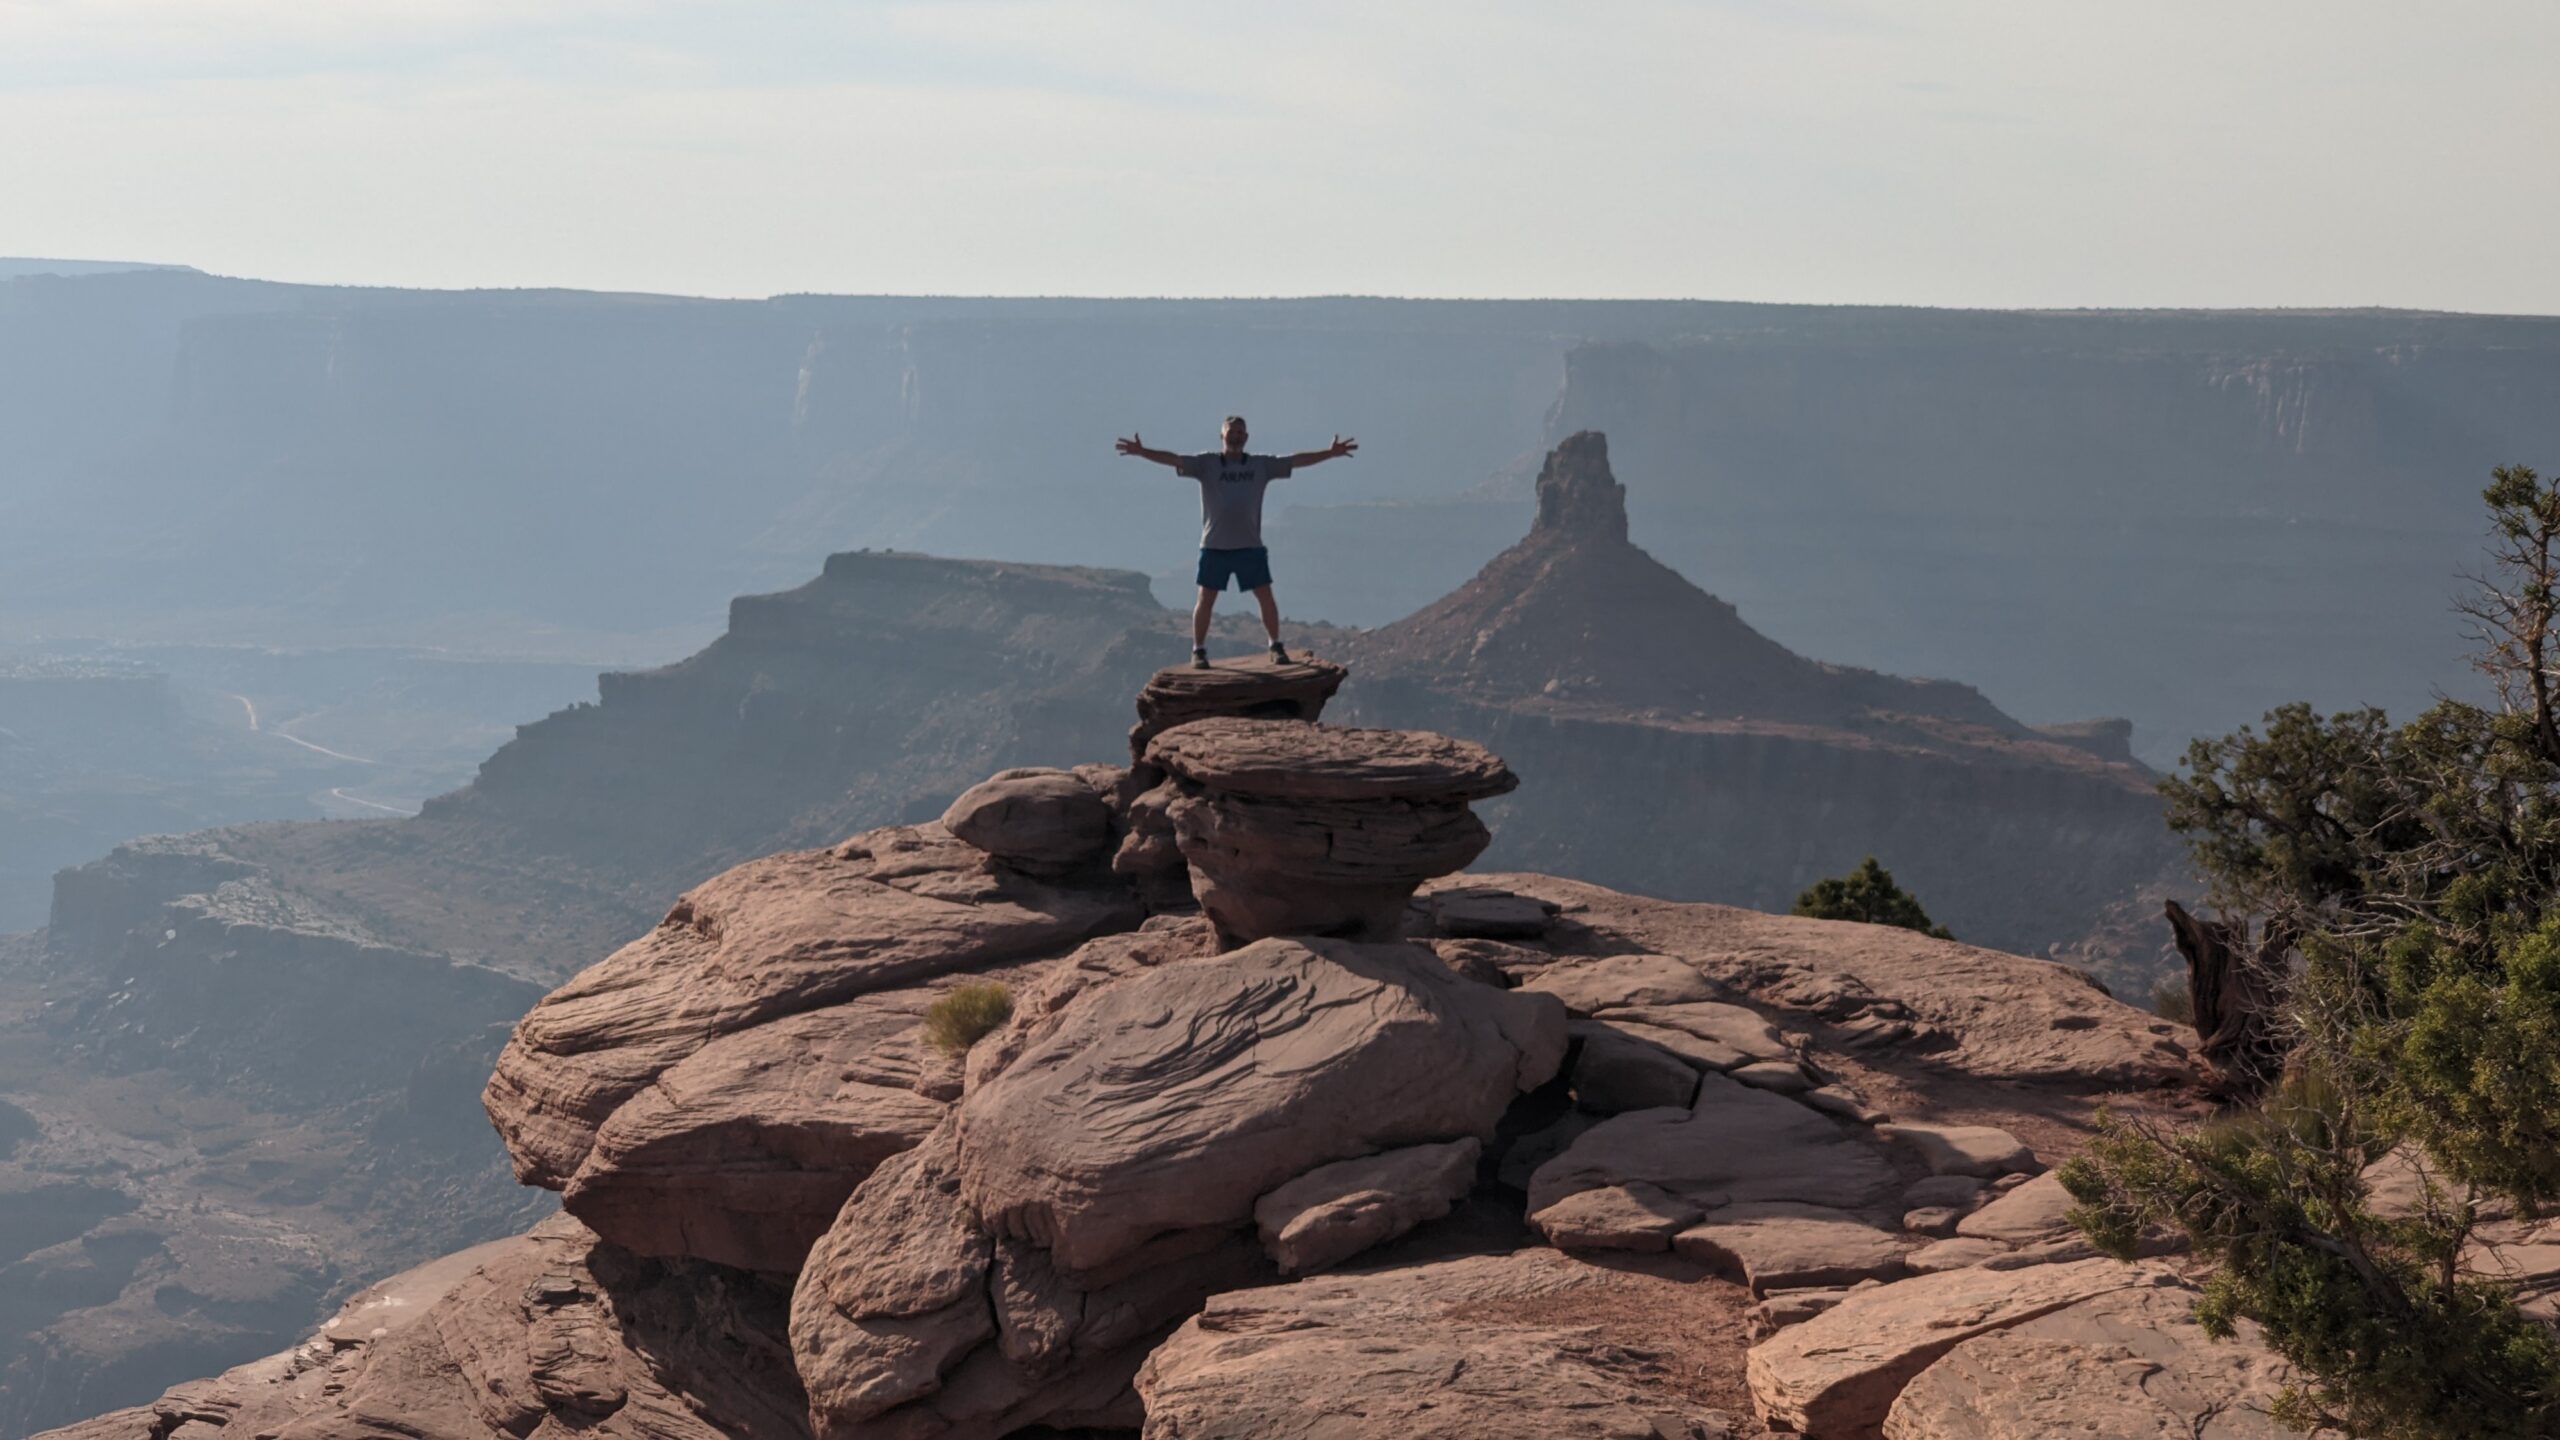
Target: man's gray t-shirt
1231,496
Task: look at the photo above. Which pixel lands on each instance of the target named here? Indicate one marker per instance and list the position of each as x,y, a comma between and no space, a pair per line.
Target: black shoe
1199,658
1279,653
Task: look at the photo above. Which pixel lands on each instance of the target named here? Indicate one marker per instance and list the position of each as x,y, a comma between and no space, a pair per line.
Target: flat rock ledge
1298,829
1253,689
1465,1349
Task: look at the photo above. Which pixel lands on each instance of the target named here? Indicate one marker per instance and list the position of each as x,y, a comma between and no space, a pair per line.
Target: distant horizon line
15,267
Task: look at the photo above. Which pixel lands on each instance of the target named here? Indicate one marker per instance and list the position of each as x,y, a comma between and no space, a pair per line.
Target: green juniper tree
1867,894
2399,887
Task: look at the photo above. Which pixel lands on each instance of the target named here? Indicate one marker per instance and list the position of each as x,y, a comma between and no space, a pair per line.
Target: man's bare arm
1339,448
1135,446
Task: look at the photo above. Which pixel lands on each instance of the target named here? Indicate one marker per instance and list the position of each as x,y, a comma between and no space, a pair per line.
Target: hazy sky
1976,152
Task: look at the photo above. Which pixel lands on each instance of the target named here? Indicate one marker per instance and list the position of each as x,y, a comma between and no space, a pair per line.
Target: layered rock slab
1176,1099
1735,1146
1100,1179
680,1027
2131,1365
1420,1352
550,1333
1247,690
743,1152
1792,1247
1334,1212
1882,990
1148,857
1838,1374
1295,829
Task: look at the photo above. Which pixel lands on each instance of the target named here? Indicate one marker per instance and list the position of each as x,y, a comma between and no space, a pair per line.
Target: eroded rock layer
717,1087
1600,1166
1101,1178
1297,829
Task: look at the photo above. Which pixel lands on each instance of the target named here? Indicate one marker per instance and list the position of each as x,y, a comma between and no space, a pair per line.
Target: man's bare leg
1200,610
1270,620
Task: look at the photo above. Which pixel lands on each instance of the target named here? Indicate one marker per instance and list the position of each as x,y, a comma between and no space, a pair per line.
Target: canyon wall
2185,520
2179,517
2025,858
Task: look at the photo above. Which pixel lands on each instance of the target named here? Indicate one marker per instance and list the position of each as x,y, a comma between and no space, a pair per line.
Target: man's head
1231,430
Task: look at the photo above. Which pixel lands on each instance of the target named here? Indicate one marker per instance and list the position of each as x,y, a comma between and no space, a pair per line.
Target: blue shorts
1249,568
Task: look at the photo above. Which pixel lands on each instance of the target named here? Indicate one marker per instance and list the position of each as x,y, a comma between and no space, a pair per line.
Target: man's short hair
1232,420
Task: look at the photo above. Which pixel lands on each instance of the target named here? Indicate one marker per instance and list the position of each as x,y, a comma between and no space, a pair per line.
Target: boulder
1162,940
1094,1184
1633,1216
1791,1247
1617,982
1334,1212
2036,1213
743,1152
1046,822
1149,857
1953,1254
1615,1072
1783,1308
1844,1102
1837,1375
1298,829
1786,1077
1978,1150
1734,1145
1487,1347
1536,1147
1482,912
912,1320
1173,1100
548,1333
775,938
1726,1037
1959,1192
2131,1364
1243,689
1960,1009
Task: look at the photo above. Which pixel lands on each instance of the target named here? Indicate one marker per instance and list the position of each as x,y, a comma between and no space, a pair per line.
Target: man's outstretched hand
1341,447
1135,446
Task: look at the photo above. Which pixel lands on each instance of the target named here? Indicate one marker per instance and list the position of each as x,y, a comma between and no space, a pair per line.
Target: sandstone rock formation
1114,1130
1491,1347
1150,858
1778,1165
2127,1362
1239,689
1098,1187
1041,822
868,698
624,1078
1334,1212
549,1333
1839,1373
1296,829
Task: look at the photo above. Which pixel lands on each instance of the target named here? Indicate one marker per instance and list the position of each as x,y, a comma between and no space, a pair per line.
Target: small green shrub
1867,894
2172,1000
963,1017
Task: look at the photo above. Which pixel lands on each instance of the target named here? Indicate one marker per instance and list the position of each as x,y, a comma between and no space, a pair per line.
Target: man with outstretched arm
1231,486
